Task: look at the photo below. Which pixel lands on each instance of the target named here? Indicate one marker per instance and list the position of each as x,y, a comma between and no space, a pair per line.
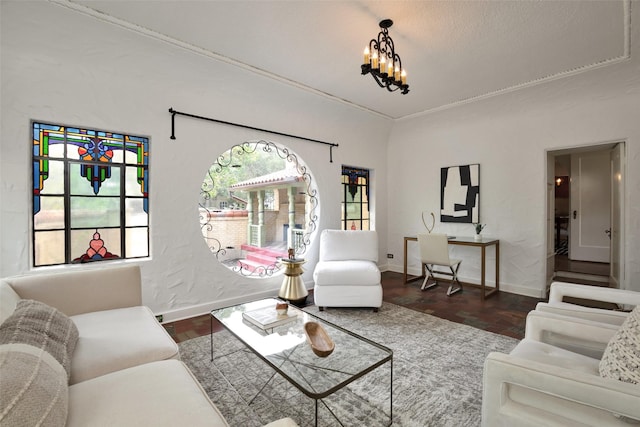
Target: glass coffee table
285,349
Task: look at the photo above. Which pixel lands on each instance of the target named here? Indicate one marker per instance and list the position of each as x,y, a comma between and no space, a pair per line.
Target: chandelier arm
375,77
397,60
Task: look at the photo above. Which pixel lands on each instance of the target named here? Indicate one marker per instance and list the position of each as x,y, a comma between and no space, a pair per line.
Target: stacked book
268,317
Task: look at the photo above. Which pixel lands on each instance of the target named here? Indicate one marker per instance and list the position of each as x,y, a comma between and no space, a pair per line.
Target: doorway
584,215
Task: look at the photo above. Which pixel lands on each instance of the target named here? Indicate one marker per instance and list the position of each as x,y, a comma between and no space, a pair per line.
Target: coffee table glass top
287,350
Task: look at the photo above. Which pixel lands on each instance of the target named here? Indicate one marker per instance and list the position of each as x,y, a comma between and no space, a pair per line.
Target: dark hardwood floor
503,313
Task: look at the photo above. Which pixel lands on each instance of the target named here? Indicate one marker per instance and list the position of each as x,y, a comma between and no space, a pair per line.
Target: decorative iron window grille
355,198
90,195
217,181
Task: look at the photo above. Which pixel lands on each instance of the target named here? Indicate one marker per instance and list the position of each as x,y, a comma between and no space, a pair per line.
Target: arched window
257,201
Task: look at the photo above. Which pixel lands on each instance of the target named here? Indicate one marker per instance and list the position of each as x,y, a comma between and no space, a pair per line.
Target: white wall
65,67
509,136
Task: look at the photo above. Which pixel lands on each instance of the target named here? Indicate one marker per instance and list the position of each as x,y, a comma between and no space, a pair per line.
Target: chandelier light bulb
366,55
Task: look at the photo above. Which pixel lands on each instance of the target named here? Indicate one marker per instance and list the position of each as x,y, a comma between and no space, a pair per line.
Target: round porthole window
257,203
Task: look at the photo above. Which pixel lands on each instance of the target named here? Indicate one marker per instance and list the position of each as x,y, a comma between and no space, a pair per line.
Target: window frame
39,166
353,177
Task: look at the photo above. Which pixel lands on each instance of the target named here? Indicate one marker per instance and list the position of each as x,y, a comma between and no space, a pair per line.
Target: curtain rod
173,133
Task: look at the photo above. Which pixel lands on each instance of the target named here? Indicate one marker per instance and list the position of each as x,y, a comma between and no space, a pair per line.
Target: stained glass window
355,198
90,195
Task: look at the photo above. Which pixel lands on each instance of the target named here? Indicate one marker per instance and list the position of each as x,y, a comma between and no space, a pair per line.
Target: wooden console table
466,241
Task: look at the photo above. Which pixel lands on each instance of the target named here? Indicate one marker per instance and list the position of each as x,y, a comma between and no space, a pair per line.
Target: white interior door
617,192
590,215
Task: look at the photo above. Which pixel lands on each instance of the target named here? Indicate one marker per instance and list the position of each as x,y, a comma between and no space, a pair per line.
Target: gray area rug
437,374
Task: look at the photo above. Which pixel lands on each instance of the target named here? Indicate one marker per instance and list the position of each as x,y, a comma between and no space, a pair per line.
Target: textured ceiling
454,51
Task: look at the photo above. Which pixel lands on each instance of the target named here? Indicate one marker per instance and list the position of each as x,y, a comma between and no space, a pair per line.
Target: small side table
293,289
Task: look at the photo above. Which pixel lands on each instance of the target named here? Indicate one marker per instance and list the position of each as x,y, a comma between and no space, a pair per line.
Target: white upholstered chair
576,294
434,251
347,273
561,290
539,384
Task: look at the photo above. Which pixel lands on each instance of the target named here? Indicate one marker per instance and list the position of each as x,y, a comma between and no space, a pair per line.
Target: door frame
550,204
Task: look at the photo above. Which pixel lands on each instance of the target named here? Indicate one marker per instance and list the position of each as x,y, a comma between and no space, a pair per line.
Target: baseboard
200,309
524,291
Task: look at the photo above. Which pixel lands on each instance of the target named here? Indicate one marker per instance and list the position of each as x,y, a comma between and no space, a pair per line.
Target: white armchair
578,293
347,273
561,290
540,384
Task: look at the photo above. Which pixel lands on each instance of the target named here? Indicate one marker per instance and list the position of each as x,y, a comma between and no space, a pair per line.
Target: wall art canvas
460,194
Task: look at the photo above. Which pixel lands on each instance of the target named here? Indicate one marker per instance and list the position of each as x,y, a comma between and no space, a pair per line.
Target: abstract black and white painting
460,194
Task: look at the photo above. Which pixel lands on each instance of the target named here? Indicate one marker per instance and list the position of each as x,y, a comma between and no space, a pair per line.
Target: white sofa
121,367
539,384
347,273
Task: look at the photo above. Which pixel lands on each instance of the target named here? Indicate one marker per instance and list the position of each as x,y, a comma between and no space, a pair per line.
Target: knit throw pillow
44,327
621,358
34,390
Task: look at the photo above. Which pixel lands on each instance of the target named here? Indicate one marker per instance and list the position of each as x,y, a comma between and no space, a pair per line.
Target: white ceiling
454,51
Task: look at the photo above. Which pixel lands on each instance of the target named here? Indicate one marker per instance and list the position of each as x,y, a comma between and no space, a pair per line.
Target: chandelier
384,64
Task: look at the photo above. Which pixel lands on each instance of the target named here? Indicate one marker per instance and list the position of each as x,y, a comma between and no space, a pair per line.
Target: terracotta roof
285,177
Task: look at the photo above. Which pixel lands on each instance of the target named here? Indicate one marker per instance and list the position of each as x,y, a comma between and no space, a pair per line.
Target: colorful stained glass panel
353,211
137,242
355,205
95,212
135,214
51,214
54,177
84,168
135,181
95,245
137,150
49,248
365,210
81,181
48,140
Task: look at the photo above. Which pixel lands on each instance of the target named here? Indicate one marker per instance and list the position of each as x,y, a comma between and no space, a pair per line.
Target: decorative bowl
321,344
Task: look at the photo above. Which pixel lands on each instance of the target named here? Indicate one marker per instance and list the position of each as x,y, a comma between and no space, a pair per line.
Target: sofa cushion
8,300
621,358
34,387
116,339
35,323
161,393
353,272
